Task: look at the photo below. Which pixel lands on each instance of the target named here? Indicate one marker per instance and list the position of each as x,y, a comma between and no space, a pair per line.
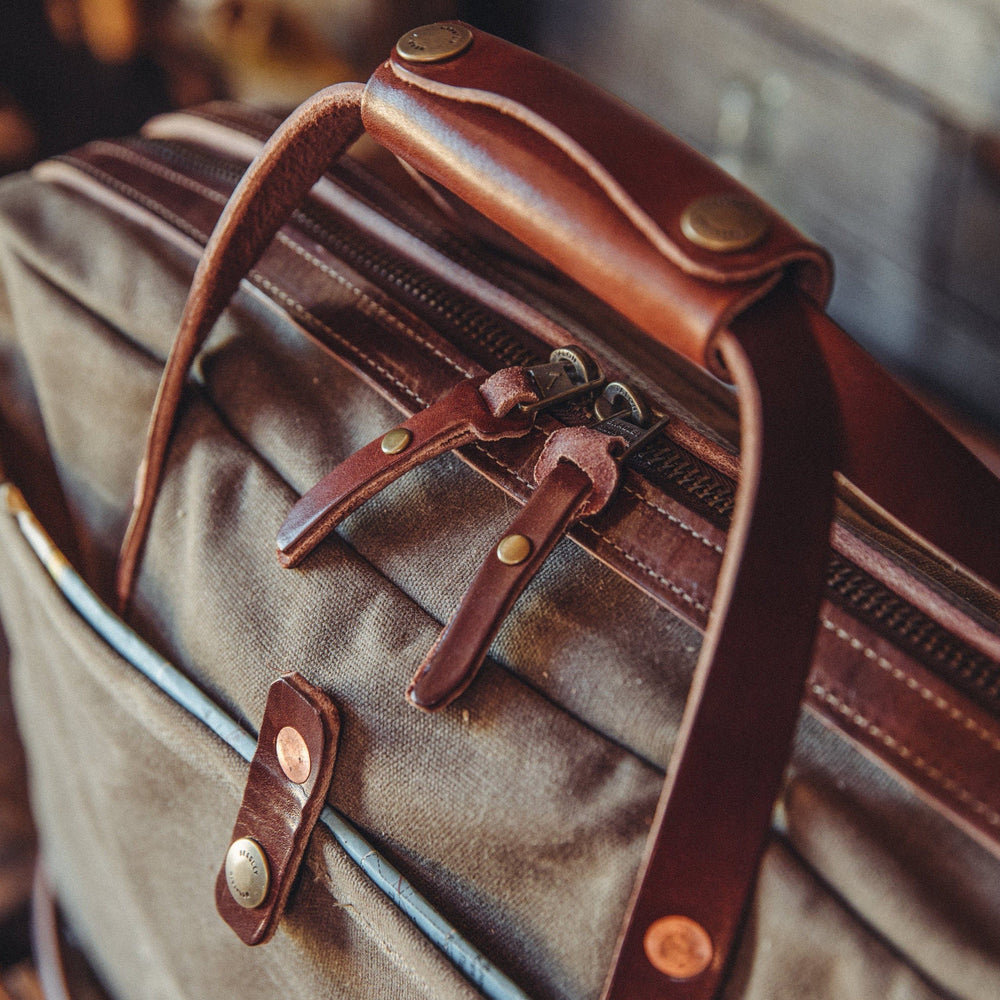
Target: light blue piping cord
468,959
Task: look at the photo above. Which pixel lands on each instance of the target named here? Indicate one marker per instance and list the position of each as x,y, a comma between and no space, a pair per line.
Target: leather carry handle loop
312,138
891,441
593,186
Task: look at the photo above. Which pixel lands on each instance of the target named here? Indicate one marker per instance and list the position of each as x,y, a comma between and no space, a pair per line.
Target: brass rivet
677,946
725,223
513,549
247,873
293,755
396,441
434,42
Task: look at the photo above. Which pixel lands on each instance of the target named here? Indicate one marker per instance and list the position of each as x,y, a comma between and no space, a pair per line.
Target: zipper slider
569,374
491,408
577,474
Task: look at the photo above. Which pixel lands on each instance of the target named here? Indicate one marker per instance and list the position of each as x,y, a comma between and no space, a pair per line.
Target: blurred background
873,124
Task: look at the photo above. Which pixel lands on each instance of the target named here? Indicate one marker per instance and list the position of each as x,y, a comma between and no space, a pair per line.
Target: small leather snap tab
434,42
513,550
678,946
247,873
297,739
396,441
293,755
725,223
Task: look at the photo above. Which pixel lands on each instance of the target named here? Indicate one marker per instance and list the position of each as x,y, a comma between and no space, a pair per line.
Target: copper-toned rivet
396,441
293,755
677,946
725,223
434,42
513,549
247,874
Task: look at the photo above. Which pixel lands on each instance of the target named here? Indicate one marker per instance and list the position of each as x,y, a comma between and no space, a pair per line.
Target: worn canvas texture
521,811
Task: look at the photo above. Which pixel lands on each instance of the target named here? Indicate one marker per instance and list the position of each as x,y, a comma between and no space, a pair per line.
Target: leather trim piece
727,765
453,661
577,474
276,813
318,133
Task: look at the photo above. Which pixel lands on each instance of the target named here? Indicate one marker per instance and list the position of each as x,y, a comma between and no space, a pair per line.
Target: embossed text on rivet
247,873
434,42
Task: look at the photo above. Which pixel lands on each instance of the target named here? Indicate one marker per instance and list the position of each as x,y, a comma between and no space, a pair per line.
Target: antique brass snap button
247,874
434,42
513,550
293,755
725,223
677,946
396,441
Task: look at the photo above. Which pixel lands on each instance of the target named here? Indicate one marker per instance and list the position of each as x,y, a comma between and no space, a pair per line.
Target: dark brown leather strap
484,409
726,768
905,462
316,135
576,480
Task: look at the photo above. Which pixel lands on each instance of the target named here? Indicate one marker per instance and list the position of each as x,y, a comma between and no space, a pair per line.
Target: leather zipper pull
486,409
577,474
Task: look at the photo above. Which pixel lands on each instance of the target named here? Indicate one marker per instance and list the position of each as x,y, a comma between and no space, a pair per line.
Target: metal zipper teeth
688,479
966,669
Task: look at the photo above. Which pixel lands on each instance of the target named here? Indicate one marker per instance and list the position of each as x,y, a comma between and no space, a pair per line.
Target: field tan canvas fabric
521,811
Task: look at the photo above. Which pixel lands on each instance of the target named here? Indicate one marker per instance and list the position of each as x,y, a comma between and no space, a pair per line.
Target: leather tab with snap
284,795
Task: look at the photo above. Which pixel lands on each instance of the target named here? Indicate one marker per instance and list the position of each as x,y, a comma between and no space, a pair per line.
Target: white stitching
680,592
649,571
372,306
369,305
901,750
676,520
130,192
154,167
193,231
312,320
952,711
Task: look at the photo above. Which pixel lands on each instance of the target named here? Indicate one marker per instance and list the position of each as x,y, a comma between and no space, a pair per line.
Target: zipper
576,476
497,343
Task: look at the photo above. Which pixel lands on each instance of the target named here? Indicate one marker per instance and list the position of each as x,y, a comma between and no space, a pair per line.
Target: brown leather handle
591,185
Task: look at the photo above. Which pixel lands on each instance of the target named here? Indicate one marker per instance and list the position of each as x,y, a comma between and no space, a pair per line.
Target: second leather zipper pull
577,474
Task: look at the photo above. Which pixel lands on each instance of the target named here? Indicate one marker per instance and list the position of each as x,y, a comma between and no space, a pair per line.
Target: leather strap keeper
278,814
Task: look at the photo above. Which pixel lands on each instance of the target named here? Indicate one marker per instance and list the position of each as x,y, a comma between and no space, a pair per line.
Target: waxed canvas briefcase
526,590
